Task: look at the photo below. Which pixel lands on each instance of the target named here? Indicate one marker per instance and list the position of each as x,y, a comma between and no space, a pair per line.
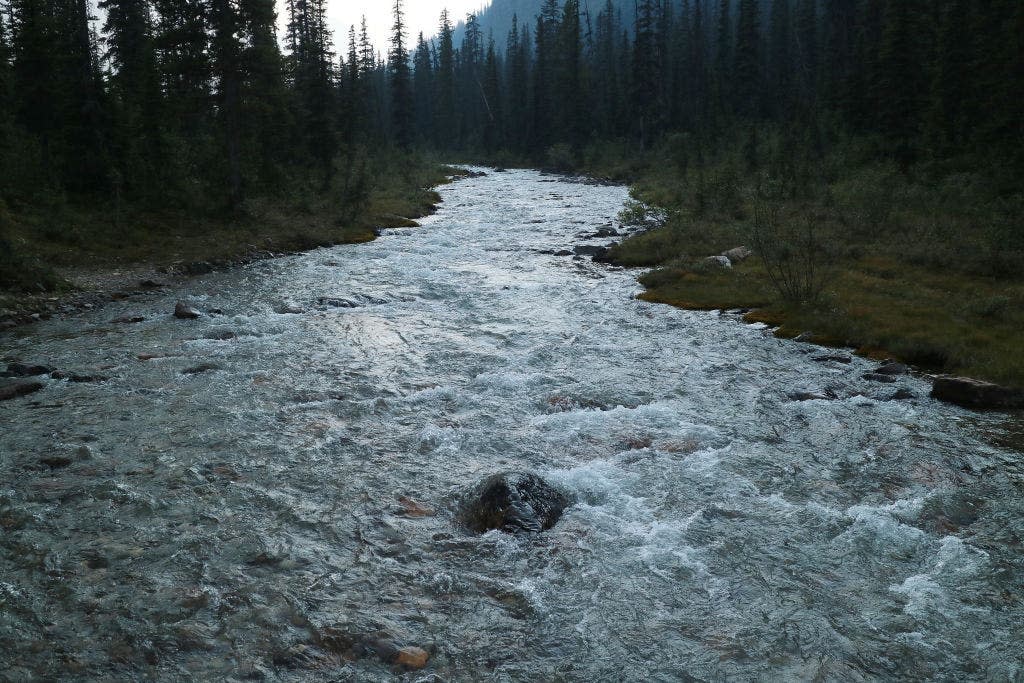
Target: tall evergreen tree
401,88
748,61
445,121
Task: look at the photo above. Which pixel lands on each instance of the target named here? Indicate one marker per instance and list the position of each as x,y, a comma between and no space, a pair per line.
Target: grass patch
927,267
391,191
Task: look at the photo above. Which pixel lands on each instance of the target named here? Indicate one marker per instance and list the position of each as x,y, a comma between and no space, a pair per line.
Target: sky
421,15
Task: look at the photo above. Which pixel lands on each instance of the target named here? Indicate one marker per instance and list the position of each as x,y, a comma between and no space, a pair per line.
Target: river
287,512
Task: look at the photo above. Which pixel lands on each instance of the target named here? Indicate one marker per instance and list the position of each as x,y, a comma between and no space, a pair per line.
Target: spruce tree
423,89
401,88
445,122
747,61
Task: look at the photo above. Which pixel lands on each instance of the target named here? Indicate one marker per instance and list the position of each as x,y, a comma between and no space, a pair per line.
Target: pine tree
572,104
134,83
807,58
445,127
901,82
747,61
264,110
493,137
780,58
517,61
227,65
423,89
181,43
401,89
645,92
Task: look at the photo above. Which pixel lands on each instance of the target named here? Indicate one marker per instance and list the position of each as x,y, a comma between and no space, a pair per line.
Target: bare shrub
792,251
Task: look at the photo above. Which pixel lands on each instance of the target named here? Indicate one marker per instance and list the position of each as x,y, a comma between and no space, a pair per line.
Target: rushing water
282,515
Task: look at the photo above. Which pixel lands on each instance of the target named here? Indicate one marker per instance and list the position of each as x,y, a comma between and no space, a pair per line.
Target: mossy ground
41,245
926,267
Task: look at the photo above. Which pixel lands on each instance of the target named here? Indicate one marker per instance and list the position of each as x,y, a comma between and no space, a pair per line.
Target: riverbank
924,267
88,260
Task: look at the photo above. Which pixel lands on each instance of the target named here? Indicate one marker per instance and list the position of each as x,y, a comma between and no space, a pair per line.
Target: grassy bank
923,264
45,247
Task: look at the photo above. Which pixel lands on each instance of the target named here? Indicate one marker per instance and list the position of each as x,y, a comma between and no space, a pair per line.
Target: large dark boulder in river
513,502
974,393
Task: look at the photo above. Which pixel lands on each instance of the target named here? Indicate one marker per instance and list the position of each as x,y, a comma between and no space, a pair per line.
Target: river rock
77,378
879,377
198,268
590,250
513,502
975,393
412,657
288,308
128,320
812,396
903,394
15,389
562,252
183,311
150,284
337,302
25,370
201,368
833,358
891,368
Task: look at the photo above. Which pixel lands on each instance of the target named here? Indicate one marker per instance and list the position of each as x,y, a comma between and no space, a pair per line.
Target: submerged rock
77,378
590,250
880,377
812,396
337,302
288,308
975,393
513,502
833,358
183,311
201,368
16,389
412,657
25,370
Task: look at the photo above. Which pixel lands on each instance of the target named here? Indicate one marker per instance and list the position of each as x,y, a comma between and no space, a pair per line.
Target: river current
270,493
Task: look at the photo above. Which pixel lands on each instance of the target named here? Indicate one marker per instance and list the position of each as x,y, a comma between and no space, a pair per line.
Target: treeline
175,103
200,103
928,78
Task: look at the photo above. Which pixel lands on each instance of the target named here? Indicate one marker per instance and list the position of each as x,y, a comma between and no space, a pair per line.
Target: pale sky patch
421,15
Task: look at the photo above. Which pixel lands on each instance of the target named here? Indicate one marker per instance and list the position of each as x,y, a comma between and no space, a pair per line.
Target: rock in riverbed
16,389
974,393
590,250
183,311
25,370
513,502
